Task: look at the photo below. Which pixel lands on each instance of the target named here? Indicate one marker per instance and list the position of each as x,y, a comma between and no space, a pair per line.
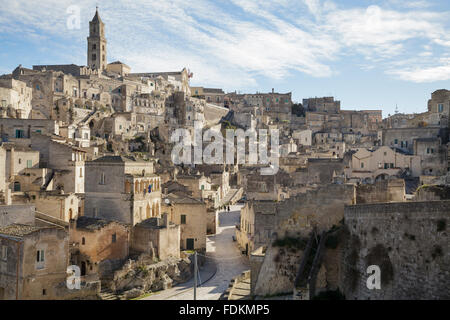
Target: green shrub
290,242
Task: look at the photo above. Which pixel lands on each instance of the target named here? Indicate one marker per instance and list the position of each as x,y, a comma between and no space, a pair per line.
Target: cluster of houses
87,177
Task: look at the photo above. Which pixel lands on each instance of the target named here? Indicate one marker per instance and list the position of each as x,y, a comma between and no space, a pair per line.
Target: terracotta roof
20,230
92,224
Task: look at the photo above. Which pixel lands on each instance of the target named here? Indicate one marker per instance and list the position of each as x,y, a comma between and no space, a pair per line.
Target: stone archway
148,211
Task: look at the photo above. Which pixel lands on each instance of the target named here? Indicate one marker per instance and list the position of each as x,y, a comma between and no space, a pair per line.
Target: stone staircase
301,283
107,294
232,196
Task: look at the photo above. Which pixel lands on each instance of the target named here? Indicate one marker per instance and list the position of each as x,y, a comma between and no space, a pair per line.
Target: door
190,244
83,268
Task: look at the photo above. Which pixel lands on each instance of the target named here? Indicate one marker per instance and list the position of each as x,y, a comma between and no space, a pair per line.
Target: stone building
433,155
190,214
66,160
17,214
403,138
122,189
157,237
382,163
211,95
304,137
257,225
15,98
34,262
325,104
93,241
63,206
440,104
15,129
16,163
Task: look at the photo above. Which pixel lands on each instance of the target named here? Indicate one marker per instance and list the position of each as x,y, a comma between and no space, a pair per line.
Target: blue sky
368,54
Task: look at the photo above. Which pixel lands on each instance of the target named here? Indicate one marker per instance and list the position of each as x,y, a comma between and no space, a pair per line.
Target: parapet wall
407,240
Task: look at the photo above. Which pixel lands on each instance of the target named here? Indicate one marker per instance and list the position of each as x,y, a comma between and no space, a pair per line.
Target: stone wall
408,240
278,271
381,191
322,207
18,213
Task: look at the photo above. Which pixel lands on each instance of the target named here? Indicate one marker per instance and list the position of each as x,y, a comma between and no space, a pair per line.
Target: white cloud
426,74
233,47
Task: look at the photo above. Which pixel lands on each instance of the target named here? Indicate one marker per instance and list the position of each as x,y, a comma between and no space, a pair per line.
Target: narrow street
224,261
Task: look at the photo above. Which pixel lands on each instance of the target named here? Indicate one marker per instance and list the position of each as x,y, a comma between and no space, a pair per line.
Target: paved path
222,252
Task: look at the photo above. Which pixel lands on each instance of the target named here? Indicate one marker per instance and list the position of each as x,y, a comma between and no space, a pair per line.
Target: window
37,87
20,161
16,186
40,256
94,57
19,133
81,172
114,238
362,164
392,165
428,150
94,47
44,292
29,163
396,141
4,253
440,107
183,219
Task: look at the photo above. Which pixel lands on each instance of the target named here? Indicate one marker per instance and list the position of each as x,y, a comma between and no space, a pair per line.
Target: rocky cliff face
278,271
139,276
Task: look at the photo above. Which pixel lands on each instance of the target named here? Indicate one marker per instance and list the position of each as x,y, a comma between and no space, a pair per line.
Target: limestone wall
408,240
381,191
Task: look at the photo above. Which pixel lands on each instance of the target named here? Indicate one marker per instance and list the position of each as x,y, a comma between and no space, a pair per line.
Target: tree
298,110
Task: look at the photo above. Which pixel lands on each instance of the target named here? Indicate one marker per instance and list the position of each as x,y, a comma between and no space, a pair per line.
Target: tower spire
96,43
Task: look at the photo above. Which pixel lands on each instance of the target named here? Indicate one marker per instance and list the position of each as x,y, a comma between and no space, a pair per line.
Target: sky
367,54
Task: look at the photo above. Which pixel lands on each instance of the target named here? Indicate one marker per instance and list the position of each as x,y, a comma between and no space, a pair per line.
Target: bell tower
96,51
